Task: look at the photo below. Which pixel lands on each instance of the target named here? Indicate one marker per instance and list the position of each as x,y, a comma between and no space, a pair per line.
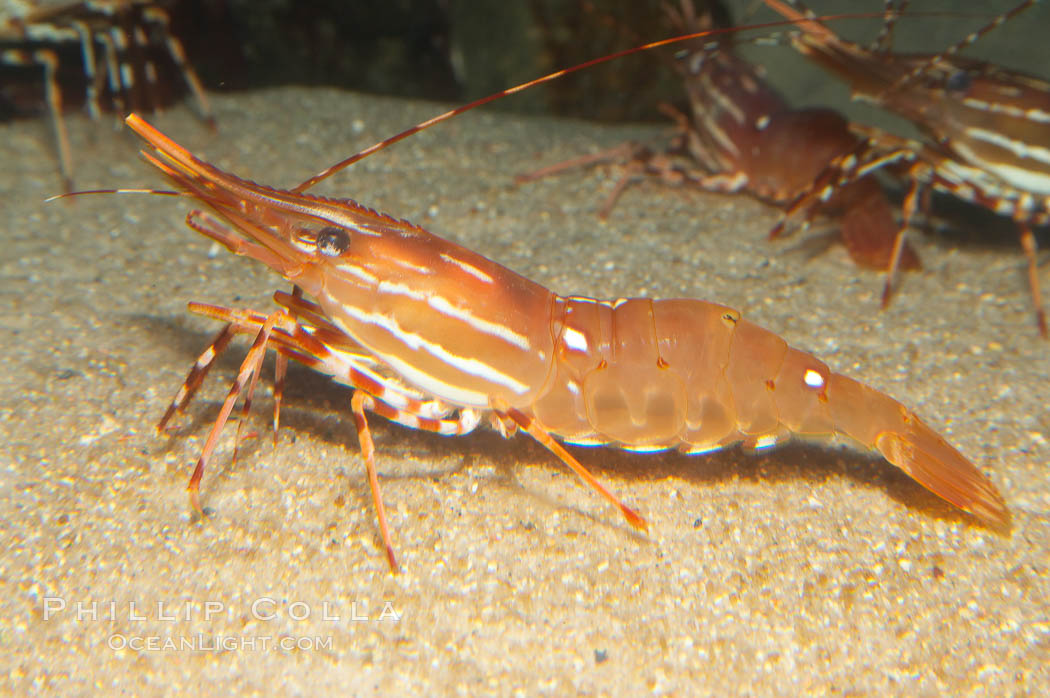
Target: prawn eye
959,82
332,241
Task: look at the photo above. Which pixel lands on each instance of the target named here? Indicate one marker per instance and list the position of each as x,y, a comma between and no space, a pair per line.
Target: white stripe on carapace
396,393
336,217
431,385
1021,178
448,392
339,365
722,100
488,327
441,304
1018,176
716,132
954,172
472,367
358,271
1013,145
469,268
1033,114
404,263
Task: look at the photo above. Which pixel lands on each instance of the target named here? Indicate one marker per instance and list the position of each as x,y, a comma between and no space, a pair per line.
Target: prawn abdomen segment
641,374
684,373
649,375
632,394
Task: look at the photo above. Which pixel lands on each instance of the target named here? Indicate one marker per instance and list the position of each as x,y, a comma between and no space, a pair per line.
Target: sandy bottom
805,569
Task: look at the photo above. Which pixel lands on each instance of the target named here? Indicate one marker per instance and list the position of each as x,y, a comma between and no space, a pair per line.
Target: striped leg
112,71
358,403
237,322
928,169
841,171
48,61
157,17
537,432
251,364
633,156
850,169
361,401
618,153
314,348
87,52
291,338
196,376
1028,244
123,61
141,67
373,393
911,201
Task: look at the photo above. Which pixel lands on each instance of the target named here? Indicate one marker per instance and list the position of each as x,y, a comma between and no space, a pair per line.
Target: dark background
459,50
